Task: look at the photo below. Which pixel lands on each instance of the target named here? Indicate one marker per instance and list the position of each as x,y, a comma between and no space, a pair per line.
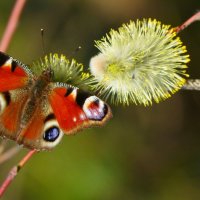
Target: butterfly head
48,74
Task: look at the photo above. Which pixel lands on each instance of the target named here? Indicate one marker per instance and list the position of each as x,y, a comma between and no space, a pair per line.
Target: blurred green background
148,153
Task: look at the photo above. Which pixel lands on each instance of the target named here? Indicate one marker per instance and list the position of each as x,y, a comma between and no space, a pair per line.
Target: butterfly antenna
42,37
75,51
43,46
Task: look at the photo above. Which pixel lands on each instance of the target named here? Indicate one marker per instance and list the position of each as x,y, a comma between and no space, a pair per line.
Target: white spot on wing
82,116
9,61
3,103
74,93
74,119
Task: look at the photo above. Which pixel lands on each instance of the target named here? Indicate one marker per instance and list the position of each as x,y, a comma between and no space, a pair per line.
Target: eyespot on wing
78,109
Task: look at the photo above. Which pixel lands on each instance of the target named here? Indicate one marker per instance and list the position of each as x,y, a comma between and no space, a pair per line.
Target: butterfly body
37,112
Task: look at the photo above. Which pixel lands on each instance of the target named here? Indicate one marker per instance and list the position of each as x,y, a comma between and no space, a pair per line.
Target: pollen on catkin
64,70
140,62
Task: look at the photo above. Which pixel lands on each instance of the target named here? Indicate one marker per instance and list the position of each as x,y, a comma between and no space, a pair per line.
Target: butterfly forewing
13,74
77,109
14,78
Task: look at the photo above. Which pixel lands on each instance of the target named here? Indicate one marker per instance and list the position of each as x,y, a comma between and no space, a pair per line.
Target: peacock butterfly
36,112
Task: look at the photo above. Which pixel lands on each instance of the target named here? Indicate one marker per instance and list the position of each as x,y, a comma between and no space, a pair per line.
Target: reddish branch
4,156
12,24
191,84
14,171
194,18
4,43
7,36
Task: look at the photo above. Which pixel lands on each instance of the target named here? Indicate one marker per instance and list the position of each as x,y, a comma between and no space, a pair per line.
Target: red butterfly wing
63,110
14,78
13,74
75,110
37,134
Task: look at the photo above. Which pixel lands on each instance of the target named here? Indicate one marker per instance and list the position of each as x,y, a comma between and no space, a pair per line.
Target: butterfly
36,112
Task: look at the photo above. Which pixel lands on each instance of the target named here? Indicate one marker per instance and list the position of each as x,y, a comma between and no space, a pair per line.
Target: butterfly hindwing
42,131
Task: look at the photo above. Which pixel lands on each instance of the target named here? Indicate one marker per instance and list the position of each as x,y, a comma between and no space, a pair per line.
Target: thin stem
12,24
192,84
2,146
8,33
9,153
195,17
14,171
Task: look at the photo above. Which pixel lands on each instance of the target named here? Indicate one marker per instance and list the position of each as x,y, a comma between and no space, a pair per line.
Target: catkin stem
195,17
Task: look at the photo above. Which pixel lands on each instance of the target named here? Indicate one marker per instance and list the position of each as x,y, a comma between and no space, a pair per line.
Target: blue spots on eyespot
51,134
99,114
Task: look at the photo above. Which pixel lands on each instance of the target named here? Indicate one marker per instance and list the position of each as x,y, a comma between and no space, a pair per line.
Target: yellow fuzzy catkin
65,70
140,62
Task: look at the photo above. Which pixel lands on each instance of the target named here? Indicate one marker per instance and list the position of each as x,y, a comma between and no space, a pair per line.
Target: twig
9,154
8,33
195,17
14,171
12,24
2,146
192,84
